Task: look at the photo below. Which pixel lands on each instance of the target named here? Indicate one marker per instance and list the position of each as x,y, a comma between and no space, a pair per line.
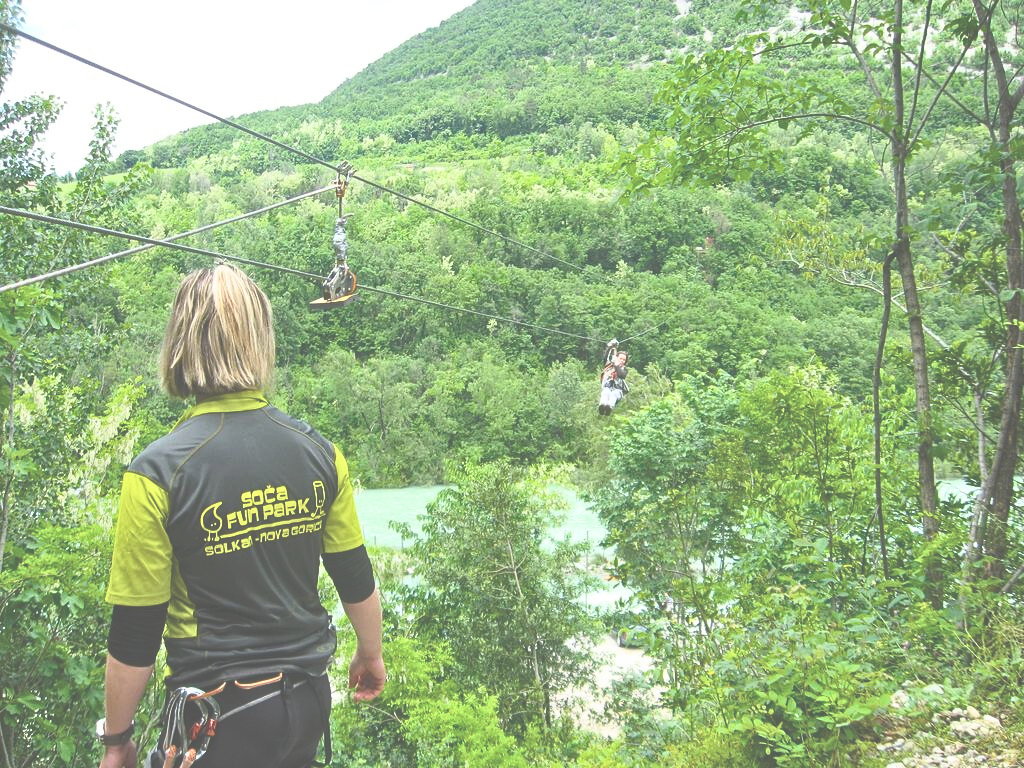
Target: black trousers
278,725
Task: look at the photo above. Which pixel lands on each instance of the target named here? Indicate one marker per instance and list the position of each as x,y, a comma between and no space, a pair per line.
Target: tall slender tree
724,104
1001,118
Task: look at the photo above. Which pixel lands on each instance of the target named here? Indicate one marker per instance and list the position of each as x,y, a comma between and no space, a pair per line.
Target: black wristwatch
113,739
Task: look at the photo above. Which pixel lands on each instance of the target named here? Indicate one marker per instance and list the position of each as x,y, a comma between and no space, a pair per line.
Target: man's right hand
367,676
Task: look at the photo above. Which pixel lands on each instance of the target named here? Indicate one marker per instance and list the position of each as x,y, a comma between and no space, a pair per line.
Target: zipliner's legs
609,397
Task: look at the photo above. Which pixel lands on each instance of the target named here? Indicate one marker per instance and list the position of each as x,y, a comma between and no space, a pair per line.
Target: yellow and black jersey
226,517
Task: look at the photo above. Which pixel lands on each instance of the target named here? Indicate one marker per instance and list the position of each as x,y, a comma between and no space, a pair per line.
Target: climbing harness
340,286
613,388
182,745
608,377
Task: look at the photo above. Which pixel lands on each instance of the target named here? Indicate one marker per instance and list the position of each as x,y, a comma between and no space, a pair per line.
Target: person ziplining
340,286
613,377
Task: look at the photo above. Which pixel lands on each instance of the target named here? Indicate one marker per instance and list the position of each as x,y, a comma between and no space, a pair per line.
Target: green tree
51,604
59,463
1001,118
724,106
499,593
24,182
426,717
741,517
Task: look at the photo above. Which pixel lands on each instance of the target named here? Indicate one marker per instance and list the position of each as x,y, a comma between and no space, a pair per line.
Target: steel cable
281,145
169,243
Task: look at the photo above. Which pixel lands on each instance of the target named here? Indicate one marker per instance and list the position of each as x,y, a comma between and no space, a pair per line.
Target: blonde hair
220,336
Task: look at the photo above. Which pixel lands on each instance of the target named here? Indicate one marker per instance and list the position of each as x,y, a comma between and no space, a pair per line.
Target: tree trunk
7,451
1004,463
876,385
997,493
538,678
979,510
933,577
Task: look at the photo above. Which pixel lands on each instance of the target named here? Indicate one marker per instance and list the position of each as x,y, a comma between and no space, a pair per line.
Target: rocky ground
923,729
956,737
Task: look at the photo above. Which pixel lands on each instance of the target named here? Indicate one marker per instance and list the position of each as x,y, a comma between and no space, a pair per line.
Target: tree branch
1012,580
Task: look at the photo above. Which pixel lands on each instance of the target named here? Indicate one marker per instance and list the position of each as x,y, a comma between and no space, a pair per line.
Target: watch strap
113,739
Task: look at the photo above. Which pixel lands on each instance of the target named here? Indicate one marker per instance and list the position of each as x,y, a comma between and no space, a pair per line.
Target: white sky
229,57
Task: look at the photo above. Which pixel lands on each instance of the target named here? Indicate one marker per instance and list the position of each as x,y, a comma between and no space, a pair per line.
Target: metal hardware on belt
190,743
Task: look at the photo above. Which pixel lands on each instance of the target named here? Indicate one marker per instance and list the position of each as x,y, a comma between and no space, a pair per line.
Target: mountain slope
500,67
495,35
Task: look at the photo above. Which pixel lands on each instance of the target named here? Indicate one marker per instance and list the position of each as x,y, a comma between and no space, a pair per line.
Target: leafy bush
796,681
52,643
424,718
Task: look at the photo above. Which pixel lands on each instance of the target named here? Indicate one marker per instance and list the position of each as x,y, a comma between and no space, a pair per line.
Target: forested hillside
527,150
813,257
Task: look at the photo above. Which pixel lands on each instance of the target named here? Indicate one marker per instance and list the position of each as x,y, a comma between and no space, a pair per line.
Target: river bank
916,731
589,705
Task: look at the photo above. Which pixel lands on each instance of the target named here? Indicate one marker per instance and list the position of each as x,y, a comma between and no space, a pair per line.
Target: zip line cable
149,240
263,137
150,243
169,243
638,335
146,247
476,312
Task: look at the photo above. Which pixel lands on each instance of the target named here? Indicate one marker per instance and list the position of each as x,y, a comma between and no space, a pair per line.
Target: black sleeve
351,572
135,631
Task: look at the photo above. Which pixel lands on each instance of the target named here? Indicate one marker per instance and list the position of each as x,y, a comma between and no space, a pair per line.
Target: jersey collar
248,400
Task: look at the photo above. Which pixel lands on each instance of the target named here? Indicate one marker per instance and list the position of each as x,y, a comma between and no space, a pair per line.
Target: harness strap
180,742
261,699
